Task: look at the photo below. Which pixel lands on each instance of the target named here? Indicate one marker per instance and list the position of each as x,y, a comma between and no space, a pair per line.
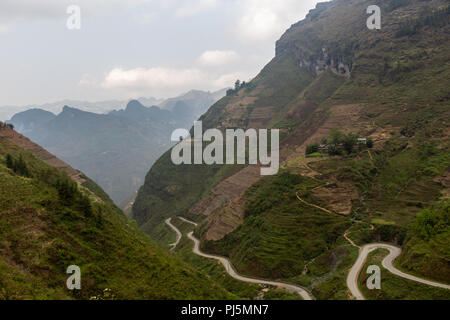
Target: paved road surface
394,252
352,278
187,221
229,268
175,229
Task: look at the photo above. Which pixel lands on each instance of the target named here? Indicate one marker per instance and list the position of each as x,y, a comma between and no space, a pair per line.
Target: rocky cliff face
325,62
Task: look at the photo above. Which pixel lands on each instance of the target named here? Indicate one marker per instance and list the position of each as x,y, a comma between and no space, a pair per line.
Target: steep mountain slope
330,72
49,222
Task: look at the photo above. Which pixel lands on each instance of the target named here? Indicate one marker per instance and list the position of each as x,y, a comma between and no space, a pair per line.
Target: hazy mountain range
6,112
117,148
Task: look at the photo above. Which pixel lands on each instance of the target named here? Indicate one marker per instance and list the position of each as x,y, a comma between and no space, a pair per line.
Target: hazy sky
135,48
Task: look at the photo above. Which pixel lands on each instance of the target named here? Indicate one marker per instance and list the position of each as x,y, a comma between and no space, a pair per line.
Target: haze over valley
118,147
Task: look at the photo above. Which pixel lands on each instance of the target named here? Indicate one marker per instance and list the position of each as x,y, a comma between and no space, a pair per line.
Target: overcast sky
127,49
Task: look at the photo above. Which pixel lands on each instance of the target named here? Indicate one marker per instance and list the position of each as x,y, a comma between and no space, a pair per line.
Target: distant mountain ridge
6,112
116,149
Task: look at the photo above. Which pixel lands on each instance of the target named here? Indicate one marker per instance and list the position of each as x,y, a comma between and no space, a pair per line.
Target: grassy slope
41,236
427,249
279,234
402,85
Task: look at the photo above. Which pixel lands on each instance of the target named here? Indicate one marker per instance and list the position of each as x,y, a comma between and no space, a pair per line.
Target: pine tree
21,168
9,161
85,206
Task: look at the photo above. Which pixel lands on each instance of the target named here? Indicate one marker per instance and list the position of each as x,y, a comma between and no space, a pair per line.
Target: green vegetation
427,249
337,143
332,285
47,223
437,19
383,222
239,86
395,4
6,125
392,192
18,166
397,288
317,155
280,234
312,148
394,198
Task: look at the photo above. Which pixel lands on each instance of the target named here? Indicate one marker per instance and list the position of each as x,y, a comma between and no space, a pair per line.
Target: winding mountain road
229,268
178,233
352,278
187,221
394,252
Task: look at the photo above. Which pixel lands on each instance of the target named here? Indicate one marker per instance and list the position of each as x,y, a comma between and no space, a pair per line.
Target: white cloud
164,81
193,7
217,58
264,20
87,80
158,77
4,29
247,27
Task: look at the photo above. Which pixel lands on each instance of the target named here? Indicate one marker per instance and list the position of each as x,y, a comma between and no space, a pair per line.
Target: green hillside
48,222
331,73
